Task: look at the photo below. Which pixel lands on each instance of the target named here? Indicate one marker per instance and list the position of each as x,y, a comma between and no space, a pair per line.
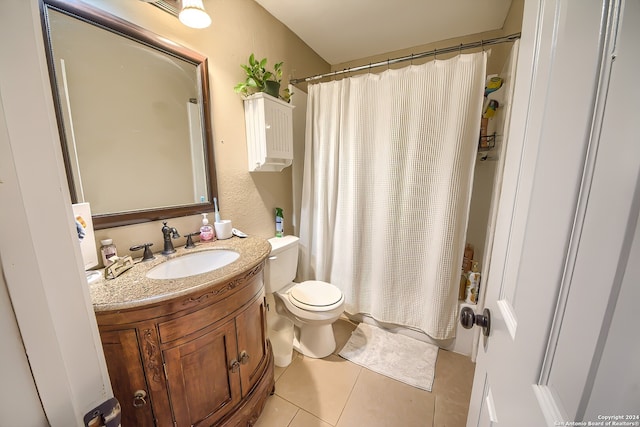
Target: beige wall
239,28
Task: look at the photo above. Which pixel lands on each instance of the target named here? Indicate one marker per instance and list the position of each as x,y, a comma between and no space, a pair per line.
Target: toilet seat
314,295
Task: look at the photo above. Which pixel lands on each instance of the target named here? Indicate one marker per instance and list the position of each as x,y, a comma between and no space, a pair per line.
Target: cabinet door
127,376
252,343
203,377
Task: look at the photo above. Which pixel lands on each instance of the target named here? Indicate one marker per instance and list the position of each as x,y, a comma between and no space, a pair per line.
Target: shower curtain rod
434,52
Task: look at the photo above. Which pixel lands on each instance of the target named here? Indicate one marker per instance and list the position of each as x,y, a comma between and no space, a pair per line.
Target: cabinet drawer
192,322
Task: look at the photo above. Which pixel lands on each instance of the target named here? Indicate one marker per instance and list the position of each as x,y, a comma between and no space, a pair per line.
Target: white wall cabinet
269,125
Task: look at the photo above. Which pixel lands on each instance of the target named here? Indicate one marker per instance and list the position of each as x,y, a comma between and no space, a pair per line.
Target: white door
566,225
41,260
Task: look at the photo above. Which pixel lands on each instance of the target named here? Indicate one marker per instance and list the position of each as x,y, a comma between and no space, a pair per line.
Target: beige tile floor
333,392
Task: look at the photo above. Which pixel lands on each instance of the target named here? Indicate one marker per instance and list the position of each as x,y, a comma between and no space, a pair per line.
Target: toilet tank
282,263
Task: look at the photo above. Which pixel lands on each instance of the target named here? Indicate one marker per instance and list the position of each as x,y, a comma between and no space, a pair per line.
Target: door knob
139,398
235,366
244,358
468,318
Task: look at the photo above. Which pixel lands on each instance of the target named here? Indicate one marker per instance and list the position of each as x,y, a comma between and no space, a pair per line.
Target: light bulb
193,14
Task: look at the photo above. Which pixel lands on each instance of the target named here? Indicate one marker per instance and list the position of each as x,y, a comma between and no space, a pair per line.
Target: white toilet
312,305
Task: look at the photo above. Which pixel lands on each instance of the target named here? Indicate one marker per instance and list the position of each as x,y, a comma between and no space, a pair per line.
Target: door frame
550,29
39,249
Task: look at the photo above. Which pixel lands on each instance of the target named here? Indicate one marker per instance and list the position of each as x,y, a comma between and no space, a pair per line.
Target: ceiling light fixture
193,14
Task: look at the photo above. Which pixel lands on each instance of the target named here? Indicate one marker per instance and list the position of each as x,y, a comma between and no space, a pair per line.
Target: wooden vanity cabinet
201,359
252,343
122,353
202,384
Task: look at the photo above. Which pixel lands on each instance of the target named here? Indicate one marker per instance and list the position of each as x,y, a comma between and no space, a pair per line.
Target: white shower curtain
387,181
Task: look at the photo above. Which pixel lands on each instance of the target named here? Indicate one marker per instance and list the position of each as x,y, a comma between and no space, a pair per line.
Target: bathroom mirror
133,113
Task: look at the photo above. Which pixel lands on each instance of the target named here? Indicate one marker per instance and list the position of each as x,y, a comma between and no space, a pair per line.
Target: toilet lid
315,295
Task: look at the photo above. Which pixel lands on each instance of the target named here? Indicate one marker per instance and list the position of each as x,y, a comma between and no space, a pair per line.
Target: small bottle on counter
108,250
473,284
279,222
462,292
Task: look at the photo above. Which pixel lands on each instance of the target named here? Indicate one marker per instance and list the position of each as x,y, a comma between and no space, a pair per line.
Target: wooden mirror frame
116,25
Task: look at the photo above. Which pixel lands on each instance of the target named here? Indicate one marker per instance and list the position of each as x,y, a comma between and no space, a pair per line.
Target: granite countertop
133,289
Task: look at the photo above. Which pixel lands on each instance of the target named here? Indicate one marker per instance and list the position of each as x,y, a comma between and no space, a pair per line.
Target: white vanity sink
192,264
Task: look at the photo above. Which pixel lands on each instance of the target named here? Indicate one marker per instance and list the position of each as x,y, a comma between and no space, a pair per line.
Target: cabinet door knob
235,366
244,358
139,398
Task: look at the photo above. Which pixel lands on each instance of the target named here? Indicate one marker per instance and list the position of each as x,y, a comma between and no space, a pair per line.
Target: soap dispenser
206,231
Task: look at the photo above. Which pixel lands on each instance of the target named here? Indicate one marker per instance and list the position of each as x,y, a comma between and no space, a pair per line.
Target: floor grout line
351,395
294,415
350,391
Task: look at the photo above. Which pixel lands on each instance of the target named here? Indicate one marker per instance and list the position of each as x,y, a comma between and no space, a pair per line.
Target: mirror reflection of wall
132,120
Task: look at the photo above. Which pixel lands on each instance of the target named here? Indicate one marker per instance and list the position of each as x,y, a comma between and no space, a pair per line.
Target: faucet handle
147,255
190,244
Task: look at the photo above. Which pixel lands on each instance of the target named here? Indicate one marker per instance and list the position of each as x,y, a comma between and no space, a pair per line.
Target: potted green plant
259,79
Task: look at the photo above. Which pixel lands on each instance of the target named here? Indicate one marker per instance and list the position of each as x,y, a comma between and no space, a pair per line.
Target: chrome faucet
168,233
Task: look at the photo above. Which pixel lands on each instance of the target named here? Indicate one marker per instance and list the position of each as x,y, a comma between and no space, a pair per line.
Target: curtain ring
482,44
460,49
346,72
387,63
435,53
411,59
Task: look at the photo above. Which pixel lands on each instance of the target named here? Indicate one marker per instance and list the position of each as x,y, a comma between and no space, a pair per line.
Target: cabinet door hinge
164,368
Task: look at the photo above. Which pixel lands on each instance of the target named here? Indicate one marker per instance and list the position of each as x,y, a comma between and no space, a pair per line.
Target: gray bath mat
395,356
